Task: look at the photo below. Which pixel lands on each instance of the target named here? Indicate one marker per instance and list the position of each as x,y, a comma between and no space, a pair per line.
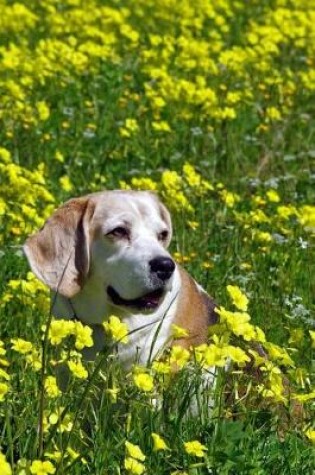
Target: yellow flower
273,196
171,184
161,367
259,216
179,356
210,355
273,388
60,329
161,126
143,381
179,332
207,265
233,97
229,198
117,329
279,354
262,236
4,374
5,468
171,180
238,323
51,387
193,224
2,349
4,388
3,207
285,211
77,369
64,425
225,113
272,113
42,110
34,359
310,434
83,336
158,442
143,184
131,124
21,346
130,128
307,217
5,155
258,200
42,468
134,451
245,266
236,354
133,466
59,157
312,335
195,180
194,447
238,298
65,183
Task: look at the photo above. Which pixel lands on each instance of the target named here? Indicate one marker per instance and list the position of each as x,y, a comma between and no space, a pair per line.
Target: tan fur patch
195,312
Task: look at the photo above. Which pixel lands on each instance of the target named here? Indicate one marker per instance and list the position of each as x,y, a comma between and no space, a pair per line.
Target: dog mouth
149,301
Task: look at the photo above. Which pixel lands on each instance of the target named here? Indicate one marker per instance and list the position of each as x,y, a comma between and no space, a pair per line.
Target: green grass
64,108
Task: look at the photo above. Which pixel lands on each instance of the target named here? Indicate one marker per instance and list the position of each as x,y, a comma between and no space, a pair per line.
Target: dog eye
119,232
163,235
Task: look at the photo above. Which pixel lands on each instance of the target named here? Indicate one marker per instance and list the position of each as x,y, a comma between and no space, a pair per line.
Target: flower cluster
4,376
61,329
28,293
189,65
134,458
117,329
25,201
4,465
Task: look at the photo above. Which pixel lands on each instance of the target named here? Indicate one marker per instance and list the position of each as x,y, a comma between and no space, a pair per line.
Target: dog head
116,239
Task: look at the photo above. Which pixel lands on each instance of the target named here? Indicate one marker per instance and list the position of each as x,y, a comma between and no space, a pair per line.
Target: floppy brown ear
59,253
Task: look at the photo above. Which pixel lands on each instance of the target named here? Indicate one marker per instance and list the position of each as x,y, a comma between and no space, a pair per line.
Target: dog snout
163,267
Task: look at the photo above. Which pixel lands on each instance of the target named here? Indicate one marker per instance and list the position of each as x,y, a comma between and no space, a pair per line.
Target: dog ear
59,253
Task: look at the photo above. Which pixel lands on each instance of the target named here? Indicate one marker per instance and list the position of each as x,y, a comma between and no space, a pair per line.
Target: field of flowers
211,104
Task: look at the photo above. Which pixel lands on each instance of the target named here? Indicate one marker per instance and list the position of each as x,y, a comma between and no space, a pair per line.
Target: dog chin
147,302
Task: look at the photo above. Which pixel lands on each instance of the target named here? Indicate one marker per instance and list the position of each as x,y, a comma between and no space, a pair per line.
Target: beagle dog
106,254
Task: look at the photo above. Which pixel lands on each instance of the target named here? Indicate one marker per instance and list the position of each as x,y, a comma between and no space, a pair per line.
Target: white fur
150,332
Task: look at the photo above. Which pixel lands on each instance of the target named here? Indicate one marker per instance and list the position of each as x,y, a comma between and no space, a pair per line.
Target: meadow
211,104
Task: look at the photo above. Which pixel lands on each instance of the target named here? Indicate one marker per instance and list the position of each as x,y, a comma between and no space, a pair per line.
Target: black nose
163,267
